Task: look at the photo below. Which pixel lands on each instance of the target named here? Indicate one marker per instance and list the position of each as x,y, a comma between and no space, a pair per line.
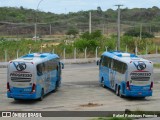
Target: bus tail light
33,88
8,87
127,85
151,86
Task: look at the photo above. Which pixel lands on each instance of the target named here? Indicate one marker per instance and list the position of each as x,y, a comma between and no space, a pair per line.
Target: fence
87,60
75,57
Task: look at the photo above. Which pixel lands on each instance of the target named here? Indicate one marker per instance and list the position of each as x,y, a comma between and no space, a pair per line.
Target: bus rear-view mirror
97,62
62,65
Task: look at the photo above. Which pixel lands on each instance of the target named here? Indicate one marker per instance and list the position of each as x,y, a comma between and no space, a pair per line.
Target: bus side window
50,65
114,66
110,63
44,68
124,68
104,61
39,69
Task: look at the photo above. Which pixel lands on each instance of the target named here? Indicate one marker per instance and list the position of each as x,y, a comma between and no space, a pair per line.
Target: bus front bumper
21,96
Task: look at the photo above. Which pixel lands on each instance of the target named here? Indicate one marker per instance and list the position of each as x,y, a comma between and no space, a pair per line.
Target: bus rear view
33,76
126,74
20,82
140,78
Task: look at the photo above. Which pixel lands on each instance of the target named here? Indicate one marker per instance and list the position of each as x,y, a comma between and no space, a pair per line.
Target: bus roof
37,57
123,56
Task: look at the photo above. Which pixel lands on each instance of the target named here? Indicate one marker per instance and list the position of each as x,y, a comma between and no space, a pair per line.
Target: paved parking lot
80,91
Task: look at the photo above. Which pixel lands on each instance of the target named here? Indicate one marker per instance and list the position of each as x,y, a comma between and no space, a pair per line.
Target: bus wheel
142,97
117,90
42,95
57,85
16,99
102,83
120,94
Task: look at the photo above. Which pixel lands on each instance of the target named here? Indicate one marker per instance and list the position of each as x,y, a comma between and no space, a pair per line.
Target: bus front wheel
16,99
57,85
117,90
102,83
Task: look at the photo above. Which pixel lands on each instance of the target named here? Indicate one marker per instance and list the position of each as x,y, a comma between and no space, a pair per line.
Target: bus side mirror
97,62
62,65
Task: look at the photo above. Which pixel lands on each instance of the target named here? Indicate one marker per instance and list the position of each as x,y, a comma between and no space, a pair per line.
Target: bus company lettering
141,74
20,75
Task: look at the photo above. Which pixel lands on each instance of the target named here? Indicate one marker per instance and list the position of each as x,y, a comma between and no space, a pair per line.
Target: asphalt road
80,91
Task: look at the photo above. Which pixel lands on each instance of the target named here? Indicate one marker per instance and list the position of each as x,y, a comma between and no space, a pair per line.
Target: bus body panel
116,70
20,78
43,71
135,91
140,80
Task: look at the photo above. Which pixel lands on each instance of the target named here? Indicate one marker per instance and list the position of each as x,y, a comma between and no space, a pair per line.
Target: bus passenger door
112,75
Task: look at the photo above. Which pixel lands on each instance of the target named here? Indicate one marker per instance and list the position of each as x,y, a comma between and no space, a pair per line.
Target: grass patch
156,65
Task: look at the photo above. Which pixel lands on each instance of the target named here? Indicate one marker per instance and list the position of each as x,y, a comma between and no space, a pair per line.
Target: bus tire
117,90
42,95
142,97
102,83
16,99
57,85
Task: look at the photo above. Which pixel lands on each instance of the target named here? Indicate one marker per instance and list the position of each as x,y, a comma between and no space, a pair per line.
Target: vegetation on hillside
75,25
21,14
61,23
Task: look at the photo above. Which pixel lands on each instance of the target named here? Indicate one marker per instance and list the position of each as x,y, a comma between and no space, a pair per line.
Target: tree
136,33
99,10
81,44
93,36
72,31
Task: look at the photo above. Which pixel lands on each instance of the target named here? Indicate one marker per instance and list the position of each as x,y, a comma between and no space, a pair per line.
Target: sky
66,6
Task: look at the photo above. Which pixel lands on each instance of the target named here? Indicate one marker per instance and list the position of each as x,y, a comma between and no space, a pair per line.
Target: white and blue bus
126,74
33,75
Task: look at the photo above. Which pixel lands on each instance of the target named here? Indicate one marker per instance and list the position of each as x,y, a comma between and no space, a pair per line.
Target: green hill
24,20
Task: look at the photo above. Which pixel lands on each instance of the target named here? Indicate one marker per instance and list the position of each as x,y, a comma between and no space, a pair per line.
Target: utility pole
35,25
35,30
150,29
140,34
50,29
90,23
118,25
